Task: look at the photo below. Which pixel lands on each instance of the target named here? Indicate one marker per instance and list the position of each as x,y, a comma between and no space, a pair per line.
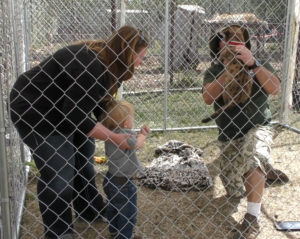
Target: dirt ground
191,215
198,215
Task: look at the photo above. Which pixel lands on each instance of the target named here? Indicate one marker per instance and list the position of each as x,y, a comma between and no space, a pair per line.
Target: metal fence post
289,61
113,15
5,206
122,23
167,98
166,72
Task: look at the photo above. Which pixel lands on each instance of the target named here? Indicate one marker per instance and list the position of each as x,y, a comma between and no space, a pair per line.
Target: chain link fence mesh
167,98
12,58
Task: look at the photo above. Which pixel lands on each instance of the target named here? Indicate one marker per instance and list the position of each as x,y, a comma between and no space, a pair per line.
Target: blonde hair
117,53
117,112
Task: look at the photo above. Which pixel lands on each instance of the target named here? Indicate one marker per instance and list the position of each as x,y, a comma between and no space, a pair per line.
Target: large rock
178,167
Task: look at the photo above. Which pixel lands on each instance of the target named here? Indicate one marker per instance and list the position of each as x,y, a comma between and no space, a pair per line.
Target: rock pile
178,167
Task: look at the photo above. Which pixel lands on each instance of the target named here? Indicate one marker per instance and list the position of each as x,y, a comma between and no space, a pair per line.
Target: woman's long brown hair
117,53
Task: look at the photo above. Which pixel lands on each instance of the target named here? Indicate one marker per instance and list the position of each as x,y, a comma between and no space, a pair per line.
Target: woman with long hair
55,106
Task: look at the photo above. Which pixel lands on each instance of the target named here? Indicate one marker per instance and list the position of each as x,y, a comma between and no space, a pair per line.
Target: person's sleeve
98,111
208,77
100,108
212,73
81,97
78,106
132,140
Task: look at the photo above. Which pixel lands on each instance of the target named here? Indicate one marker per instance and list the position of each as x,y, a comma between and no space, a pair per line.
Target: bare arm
267,80
212,91
142,135
102,133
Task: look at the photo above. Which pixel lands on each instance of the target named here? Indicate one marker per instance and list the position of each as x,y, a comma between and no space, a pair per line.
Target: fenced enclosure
166,92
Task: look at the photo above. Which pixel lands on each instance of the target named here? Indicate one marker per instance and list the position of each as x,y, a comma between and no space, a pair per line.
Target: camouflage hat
215,40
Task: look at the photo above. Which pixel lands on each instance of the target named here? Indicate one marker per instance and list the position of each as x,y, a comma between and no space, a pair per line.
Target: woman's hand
267,79
102,133
245,55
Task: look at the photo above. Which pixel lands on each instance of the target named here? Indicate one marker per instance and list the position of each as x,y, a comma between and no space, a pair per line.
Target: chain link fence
166,91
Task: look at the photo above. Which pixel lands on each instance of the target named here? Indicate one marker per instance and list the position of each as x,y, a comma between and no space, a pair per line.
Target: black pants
67,175
88,202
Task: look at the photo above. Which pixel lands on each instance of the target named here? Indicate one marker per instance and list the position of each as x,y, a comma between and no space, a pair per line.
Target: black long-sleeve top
61,93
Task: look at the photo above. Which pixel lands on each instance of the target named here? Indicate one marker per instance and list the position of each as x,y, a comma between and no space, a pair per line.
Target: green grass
184,109
156,48
197,138
187,79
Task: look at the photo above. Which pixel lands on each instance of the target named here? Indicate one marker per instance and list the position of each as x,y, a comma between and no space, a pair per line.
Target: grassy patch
184,109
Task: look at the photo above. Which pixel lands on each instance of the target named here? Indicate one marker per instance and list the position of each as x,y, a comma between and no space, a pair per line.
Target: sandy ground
195,215
198,215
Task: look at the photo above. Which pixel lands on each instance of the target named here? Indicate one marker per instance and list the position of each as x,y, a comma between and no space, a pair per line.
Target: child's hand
142,136
145,130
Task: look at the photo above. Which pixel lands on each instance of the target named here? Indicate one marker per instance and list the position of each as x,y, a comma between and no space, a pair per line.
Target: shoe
276,176
66,236
249,229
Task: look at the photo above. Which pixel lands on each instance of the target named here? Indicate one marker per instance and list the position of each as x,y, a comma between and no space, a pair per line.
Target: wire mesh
11,56
166,97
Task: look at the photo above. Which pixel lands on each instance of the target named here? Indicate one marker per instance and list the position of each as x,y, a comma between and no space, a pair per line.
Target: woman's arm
212,91
267,80
102,133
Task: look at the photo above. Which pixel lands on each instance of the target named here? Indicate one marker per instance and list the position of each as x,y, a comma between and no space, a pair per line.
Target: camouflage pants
243,154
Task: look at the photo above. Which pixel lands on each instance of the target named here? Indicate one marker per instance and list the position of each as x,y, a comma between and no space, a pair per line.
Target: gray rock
178,167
